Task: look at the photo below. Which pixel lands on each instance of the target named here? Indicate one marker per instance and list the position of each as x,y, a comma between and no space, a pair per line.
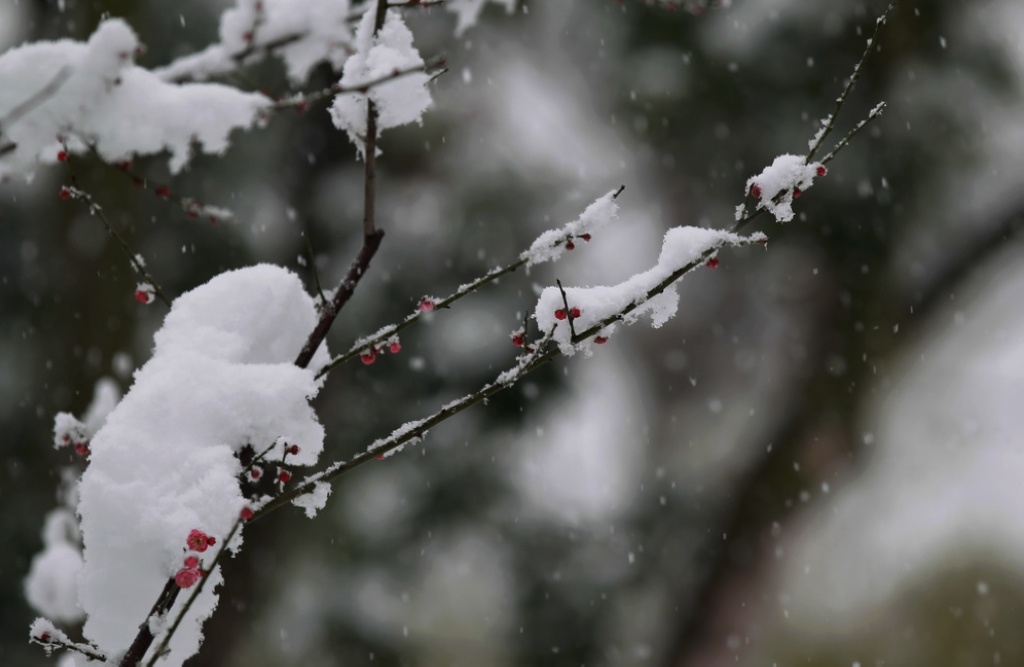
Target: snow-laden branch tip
784,180
106,101
552,244
643,294
378,54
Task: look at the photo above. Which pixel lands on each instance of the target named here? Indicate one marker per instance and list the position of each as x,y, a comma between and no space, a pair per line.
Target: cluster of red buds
392,345
196,542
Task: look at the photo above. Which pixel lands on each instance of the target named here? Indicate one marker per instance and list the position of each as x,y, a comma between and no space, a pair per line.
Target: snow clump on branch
378,56
682,249
164,464
93,94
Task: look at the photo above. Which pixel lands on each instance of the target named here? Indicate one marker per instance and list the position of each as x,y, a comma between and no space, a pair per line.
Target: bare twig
133,258
144,638
568,310
829,122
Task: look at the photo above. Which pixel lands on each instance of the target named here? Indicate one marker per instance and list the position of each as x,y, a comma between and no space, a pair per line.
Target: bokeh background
817,462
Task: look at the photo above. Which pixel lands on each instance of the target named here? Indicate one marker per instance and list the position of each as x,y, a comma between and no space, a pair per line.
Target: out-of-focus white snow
398,102
467,12
944,482
221,377
93,94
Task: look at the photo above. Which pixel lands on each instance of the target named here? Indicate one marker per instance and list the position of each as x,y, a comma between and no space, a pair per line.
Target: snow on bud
600,340
145,293
284,476
712,263
65,192
569,245
368,356
427,305
191,562
245,514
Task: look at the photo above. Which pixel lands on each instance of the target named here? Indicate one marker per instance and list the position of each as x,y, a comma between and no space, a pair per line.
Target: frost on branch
398,102
588,306
303,33
781,182
550,245
467,12
93,93
221,377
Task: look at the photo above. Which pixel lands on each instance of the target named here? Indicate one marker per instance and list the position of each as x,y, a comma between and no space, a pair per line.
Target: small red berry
560,314
574,313
755,191
586,237
600,340
44,637
821,171
797,192
187,577
255,473
284,476
712,263
426,305
162,191
246,514
368,357
395,347
62,156
65,192
293,449
82,448
518,340
569,245
191,562
210,540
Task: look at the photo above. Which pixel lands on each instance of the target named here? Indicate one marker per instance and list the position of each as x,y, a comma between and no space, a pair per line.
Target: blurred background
817,462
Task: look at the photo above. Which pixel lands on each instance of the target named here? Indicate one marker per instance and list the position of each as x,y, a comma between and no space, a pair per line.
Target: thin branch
829,123
47,91
133,258
166,640
302,101
312,264
51,642
386,332
341,296
568,310
873,114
